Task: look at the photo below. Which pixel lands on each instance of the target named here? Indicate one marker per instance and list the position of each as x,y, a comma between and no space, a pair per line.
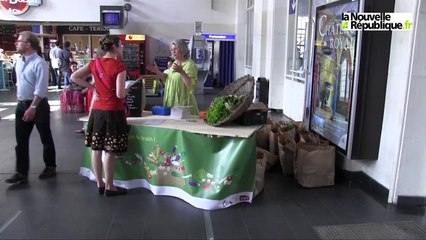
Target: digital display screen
333,73
111,18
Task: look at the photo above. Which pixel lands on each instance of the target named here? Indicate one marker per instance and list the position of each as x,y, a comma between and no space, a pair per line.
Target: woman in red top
107,126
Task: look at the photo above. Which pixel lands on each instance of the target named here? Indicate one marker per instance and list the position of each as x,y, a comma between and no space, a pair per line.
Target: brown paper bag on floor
315,165
309,137
285,155
291,131
271,158
259,181
273,141
262,137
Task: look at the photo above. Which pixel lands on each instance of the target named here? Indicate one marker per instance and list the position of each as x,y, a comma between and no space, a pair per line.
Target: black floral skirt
108,131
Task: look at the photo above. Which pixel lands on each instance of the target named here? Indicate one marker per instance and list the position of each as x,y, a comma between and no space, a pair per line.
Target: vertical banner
333,72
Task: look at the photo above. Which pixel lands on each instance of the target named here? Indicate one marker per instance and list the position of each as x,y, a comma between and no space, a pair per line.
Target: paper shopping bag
315,165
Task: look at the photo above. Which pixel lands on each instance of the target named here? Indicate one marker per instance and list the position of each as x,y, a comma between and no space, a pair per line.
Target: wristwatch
33,106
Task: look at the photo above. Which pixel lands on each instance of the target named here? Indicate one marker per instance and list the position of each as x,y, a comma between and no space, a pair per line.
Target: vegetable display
222,108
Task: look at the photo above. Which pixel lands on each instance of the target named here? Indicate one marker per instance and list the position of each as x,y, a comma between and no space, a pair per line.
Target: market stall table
208,167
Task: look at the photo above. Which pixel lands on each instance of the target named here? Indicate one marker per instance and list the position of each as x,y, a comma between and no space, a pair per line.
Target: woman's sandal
120,191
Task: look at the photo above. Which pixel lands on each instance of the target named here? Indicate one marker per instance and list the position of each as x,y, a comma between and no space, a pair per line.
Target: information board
134,100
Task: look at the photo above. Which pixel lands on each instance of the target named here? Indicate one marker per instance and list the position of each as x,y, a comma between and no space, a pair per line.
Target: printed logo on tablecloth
168,168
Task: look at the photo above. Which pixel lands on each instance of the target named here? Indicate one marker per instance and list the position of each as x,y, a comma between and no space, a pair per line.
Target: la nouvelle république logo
377,21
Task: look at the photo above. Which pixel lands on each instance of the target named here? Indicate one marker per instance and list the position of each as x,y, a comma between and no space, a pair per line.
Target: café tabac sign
18,7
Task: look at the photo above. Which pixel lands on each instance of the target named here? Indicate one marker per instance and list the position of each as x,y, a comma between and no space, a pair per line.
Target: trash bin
262,90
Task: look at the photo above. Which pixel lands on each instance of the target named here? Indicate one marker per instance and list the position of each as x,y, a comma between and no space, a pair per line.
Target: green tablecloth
209,172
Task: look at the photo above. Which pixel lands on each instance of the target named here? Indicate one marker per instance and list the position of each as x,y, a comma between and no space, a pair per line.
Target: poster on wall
333,73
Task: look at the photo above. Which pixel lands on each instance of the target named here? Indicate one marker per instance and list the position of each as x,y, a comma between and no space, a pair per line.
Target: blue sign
292,6
35,28
218,36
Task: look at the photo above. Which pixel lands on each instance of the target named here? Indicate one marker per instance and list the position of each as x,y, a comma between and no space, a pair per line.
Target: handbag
100,72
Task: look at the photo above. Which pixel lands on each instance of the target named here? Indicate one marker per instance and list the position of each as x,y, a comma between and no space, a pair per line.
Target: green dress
176,93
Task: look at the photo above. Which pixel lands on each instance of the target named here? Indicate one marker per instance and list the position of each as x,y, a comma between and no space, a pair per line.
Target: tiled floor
68,207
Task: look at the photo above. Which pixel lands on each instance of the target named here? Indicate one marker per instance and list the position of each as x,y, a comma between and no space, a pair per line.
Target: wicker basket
243,86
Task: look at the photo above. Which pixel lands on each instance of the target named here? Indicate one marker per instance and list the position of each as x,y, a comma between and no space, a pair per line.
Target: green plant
222,108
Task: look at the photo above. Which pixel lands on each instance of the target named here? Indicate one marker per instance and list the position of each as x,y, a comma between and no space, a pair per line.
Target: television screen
111,16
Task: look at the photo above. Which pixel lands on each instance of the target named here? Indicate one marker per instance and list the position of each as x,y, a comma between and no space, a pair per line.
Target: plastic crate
161,110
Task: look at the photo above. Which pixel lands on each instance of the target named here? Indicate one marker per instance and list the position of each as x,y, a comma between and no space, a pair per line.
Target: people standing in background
32,109
65,59
55,51
39,52
2,56
107,128
181,80
74,86
73,69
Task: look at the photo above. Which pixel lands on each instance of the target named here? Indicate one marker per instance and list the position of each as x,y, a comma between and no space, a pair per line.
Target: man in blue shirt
32,109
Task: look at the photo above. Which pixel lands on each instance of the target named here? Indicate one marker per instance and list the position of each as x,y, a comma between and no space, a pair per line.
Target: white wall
158,11
259,38
385,169
269,45
412,170
240,41
276,52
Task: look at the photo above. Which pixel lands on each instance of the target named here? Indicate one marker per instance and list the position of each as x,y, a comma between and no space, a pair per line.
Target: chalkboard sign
142,59
134,100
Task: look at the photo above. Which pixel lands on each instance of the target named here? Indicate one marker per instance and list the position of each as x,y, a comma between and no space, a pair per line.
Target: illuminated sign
217,36
135,37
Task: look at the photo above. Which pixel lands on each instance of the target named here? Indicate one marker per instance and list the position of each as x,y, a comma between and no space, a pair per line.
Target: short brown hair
31,38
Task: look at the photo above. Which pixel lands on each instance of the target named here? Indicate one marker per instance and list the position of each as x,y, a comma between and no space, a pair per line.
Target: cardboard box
256,114
258,106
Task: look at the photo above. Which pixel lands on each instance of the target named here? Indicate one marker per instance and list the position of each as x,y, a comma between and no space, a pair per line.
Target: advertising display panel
333,73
